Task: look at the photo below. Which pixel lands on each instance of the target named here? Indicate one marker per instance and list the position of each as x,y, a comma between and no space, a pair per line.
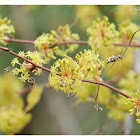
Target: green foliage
33,97
9,87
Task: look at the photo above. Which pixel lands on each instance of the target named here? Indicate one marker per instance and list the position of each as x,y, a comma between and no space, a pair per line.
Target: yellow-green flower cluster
90,63
33,97
134,101
127,29
9,86
5,29
117,108
46,41
65,34
65,75
102,33
12,115
26,68
86,13
13,119
130,81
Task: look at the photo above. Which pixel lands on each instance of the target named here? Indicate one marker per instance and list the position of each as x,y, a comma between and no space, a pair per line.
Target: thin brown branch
66,42
101,128
108,86
124,45
35,65
19,41
48,70
28,89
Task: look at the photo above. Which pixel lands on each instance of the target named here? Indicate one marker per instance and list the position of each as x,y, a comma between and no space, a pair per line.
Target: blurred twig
66,42
28,89
101,127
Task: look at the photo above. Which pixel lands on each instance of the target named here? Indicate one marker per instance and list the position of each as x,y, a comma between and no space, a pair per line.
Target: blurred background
55,113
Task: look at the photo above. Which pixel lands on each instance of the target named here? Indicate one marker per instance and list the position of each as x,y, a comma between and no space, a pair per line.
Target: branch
34,64
28,89
19,41
66,42
48,70
108,86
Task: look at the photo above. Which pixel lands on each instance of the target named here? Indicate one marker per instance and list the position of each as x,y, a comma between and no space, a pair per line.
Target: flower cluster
134,102
90,63
14,115
9,95
26,68
116,111
102,33
127,30
65,75
86,13
5,29
45,42
130,81
13,119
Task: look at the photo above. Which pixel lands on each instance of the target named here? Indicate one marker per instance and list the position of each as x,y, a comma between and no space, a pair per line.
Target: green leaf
33,97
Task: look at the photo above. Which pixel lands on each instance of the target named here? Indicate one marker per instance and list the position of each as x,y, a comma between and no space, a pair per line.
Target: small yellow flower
14,61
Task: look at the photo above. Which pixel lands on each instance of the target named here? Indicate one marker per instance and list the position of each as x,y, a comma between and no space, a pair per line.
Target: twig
101,128
66,42
35,65
48,70
129,42
108,86
28,89
114,59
